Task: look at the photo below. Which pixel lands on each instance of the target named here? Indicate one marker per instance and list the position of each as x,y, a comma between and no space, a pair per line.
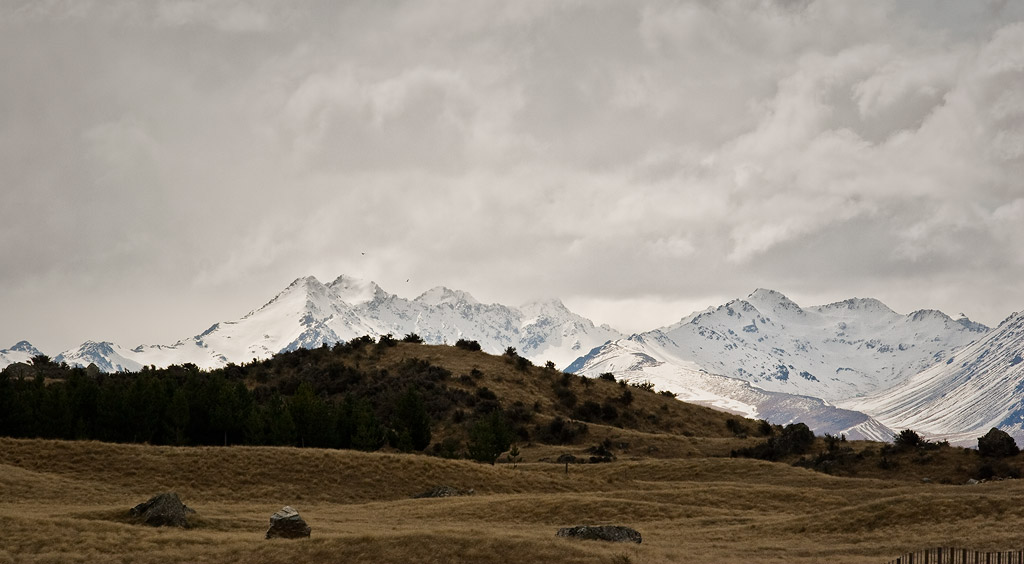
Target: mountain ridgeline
308,314
851,367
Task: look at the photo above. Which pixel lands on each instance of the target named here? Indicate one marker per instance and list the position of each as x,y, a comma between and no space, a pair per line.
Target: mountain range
854,367
309,313
765,356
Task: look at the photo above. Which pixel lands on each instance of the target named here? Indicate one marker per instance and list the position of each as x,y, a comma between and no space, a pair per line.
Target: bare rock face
164,510
287,524
611,533
443,491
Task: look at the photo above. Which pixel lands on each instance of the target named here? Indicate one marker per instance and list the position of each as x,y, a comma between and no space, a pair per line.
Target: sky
168,164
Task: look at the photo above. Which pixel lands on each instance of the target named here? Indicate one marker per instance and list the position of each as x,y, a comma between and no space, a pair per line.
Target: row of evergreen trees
187,406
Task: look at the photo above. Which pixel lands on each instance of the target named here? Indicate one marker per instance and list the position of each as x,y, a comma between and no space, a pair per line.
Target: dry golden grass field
68,502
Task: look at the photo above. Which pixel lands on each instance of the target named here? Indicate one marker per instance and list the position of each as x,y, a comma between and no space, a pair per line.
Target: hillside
67,502
363,395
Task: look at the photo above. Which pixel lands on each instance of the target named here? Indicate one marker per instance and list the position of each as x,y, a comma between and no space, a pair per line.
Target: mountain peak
860,304
355,291
923,314
772,300
305,281
548,306
442,295
25,347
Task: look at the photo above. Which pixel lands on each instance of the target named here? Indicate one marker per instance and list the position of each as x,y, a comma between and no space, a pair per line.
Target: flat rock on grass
611,533
287,524
164,510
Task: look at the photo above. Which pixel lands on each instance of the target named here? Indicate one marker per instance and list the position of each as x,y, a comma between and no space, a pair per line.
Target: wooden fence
959,556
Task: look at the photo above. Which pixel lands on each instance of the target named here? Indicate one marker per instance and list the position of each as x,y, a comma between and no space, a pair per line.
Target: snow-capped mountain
835,351
978,387
309,313
108,357
22,351
832,352
630,360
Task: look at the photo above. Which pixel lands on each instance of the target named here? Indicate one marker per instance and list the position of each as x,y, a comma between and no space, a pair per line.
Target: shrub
795,438
609,412
387,340
448,448
412,338
566,396
907,438
646,385
589,411
607,376
997,444
467,345
560,432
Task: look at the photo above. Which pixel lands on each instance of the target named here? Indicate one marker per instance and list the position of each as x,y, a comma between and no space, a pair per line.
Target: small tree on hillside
412,423
489,437
907,438
997,444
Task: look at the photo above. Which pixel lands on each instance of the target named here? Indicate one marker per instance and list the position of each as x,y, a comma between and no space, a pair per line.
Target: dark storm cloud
170,164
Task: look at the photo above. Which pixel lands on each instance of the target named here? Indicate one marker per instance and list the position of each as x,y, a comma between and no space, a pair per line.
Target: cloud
607,153
225,15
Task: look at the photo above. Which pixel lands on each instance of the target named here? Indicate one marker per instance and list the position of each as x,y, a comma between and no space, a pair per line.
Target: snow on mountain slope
107,356
22,351
978,387
632,361
835,351
309,313
354,291
782,362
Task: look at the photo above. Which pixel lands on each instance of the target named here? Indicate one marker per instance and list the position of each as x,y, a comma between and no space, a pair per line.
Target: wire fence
959,556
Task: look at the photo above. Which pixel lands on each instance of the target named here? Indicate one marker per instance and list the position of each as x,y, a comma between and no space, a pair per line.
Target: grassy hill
64,501
351,396
670,476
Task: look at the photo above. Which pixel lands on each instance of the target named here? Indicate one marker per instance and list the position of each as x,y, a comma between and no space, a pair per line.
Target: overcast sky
168,164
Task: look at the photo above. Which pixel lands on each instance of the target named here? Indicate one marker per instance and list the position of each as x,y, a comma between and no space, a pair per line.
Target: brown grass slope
66,502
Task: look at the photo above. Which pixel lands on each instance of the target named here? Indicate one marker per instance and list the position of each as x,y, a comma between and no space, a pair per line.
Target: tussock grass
67,502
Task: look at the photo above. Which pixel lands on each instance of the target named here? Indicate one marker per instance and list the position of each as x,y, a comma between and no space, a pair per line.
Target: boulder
164,510
611,533
287,524
443,491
